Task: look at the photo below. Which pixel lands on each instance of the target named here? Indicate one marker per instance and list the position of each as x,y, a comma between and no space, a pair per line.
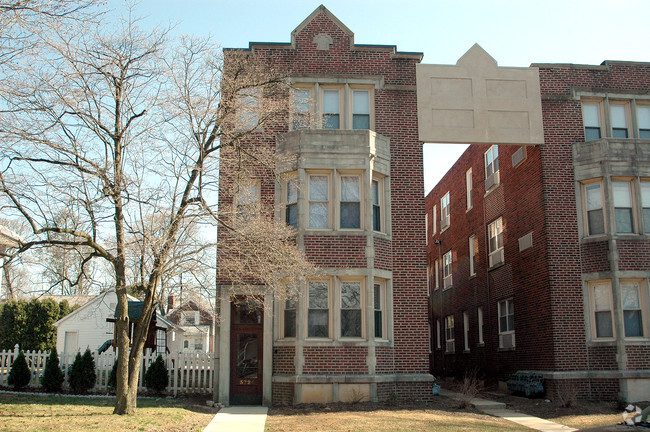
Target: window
247,199
301,108
645,200
473,246
426,228
318,313
466,330
594,204
250,102
506,324
437,274
318,201
631,300
491,167
449,334
376,205
601,303
434,221
618,117
446,270
495,244
331,109
350,205
289,316
291,211
591,119
438,334
479,313
643,119
623,207
186,344
518,156
190,318
444,212
468,187
361,109
379,306
198,345
351,322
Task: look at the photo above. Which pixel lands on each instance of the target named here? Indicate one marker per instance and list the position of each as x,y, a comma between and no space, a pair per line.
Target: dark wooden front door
246,342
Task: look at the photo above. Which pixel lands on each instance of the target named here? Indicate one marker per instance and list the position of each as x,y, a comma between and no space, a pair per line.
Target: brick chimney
171,303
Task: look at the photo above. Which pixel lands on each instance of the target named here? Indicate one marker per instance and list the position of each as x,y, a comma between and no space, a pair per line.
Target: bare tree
125,131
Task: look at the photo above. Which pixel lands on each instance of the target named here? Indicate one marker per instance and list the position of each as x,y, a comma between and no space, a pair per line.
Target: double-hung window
468,187
360,109
495,243
479,317
601,303
591,119
289,317
318,325
473,246
291,210
250,102
450,345
643,120
318,201
447,270
376,204
594,206
444,212
331,109
435,220
506,324
351,321
645,203
623,207
437,274
631,299
350,205
466,331
491,167
247,199
379,297
618,117
301,108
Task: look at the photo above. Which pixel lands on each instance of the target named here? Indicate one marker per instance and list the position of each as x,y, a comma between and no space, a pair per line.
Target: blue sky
514,32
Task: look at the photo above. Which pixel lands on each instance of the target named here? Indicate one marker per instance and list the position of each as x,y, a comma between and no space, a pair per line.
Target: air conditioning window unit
492,180
519,156
496,257
450,346
506,340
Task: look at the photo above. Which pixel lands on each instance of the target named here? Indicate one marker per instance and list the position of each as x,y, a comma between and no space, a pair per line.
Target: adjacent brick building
539,256
353,191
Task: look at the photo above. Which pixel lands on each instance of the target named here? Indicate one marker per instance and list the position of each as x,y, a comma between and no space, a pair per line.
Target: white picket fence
188,372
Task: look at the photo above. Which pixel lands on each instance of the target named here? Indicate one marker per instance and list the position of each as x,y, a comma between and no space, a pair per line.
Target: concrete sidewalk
498,409
239,419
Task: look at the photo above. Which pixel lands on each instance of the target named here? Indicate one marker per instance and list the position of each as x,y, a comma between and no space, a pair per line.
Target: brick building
539,256
353,191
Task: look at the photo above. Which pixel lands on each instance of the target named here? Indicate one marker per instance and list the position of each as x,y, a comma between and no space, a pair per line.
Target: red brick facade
551,282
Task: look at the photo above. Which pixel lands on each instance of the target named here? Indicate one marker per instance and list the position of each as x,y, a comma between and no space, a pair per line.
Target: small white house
87,327
193,329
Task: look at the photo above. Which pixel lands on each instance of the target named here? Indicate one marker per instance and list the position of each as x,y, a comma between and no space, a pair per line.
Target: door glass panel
247,345
249,312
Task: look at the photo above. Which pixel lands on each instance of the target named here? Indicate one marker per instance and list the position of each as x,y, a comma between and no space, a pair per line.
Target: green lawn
55,413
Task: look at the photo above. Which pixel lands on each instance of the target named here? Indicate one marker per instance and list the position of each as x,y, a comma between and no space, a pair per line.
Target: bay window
318,311
318,201
350,204
623,207
351,318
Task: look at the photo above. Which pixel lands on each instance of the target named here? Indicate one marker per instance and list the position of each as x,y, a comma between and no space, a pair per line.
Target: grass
52,413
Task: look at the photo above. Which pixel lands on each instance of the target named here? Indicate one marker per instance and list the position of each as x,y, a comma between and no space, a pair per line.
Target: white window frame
495,243
450,336
437,274
434,221
362,306
379,205
468,189
250,105
588,107
472,254
491,159
282,317
642,307
291,182
505,309
447,269
466,331
585,186
607,285
361,192
327,174
645,204
301,119
438,343
622,107
383,306
479,316
445,216
328,282
426,229
326,89
247,198
643,120
617,205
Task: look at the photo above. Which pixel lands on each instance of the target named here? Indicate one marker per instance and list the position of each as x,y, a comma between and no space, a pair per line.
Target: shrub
19,375
52,376
82,373
469,388
156,377
112,377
